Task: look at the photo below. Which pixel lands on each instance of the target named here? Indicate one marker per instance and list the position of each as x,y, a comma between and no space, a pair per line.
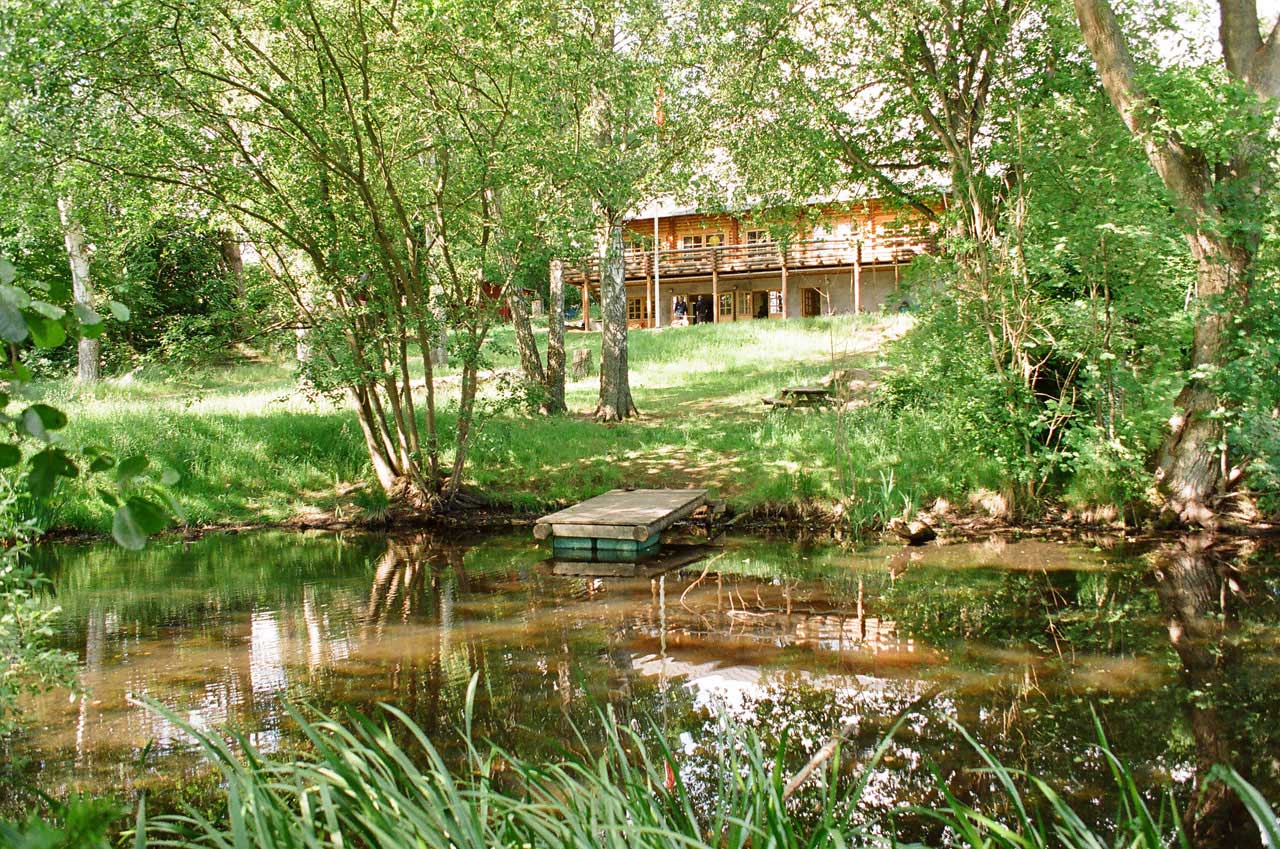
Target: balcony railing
894,249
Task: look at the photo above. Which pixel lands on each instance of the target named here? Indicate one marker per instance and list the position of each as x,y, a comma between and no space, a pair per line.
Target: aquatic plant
383,783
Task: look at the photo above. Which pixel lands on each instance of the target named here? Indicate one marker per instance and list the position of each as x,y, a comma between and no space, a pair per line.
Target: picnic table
802,396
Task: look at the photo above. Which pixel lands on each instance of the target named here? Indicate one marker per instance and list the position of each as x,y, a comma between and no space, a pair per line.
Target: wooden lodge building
846,257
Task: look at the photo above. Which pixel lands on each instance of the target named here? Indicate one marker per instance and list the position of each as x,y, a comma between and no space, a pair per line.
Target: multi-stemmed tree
378,157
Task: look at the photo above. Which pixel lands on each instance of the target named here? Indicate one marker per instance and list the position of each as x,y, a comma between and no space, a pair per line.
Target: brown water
1172,646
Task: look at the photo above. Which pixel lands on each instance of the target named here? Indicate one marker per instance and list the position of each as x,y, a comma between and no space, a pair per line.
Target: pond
1170,644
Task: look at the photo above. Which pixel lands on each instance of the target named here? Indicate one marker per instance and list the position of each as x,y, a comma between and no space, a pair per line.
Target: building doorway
811,302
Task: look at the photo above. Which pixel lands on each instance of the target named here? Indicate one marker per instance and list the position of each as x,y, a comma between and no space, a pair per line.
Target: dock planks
625,514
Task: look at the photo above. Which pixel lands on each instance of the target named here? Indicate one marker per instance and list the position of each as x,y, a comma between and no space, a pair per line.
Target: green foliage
1247,382
79,823
185,303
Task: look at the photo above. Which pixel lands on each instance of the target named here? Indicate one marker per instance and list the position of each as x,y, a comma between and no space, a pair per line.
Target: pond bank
796,521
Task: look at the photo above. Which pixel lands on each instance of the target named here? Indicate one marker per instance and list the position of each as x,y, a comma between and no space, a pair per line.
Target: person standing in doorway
703,309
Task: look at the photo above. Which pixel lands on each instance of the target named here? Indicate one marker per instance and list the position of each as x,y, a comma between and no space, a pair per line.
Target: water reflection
1204,589
1172,646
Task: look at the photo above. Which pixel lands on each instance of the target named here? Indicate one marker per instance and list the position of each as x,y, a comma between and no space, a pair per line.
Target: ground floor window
744,303
726,306
637,309
775,302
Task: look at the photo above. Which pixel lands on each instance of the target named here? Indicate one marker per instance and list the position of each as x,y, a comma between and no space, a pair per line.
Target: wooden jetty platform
672,557
622,525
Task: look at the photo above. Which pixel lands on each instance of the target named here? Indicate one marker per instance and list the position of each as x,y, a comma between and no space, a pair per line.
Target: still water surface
1171,644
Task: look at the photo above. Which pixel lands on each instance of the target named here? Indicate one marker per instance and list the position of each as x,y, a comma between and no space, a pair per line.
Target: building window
701,240
758,237
636,309
775,302
726,306
744,303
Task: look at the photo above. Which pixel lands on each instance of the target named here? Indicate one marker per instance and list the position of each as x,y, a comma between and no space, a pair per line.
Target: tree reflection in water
1169,644
1203,588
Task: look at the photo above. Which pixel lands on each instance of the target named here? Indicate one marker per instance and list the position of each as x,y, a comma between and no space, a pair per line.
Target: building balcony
758,258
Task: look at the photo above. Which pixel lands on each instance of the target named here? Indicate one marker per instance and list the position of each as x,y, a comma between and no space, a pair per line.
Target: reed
363,783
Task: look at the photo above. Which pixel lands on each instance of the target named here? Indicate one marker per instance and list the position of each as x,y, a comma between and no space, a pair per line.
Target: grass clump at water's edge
251,448
367,783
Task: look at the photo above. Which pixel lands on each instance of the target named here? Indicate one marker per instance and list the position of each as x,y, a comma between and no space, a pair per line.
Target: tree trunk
526,344
439,352
1221,202
1191,469
234,261
555,342
383,466
615,386
81,287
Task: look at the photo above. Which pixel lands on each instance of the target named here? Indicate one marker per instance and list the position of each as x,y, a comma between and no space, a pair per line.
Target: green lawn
251,448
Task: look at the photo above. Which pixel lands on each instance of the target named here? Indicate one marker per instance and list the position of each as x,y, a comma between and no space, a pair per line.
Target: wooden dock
620,525
672,557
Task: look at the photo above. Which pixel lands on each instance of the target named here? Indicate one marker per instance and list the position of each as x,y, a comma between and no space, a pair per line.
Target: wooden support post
586,305
657,274
715,286
782,251
857,280
648,297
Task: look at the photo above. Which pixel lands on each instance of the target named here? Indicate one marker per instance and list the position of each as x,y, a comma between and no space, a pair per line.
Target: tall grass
384,784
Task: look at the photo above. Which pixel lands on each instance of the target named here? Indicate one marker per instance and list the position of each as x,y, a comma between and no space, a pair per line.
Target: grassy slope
252,448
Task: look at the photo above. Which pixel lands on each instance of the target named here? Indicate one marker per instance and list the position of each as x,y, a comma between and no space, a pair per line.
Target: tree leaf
15,296
131,467
126,531
46,468
119,310
135,520
150,516
169,477
87,315
7,271
39,420
13,327
10,455
47,333
48,310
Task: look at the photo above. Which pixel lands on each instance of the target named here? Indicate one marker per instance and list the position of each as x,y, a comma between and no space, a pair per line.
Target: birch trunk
81,287
615,387
555,342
